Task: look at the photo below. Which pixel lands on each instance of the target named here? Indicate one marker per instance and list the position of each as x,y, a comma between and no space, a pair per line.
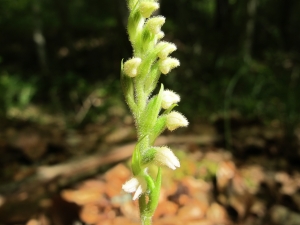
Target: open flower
175,120
167,49
154,24
169,98
165,157
136,184
131,66
166,65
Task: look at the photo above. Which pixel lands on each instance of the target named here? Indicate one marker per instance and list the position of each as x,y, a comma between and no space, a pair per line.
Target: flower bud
136,184
169,98
154,24
147,8
167,49
175,120
131,66
165,157
166,65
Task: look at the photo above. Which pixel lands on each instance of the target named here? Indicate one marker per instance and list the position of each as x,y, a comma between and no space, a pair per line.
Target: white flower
147,8
131,66
175,120
169,98
136,184
165,65
167,49
164,156
154,24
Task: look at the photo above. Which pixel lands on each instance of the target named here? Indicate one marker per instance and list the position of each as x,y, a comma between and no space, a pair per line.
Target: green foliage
15,92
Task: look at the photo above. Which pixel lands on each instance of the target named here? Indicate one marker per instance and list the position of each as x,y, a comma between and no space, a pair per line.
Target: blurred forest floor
56,175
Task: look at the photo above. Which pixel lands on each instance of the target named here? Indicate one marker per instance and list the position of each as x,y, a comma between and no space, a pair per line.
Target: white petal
174,160
170,164
138,192
131,185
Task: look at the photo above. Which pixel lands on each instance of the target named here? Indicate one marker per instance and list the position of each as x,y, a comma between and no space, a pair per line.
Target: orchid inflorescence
139,78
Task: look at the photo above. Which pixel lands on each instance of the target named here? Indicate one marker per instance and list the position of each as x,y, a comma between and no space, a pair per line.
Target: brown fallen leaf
217,213
192,210
165,208
89,214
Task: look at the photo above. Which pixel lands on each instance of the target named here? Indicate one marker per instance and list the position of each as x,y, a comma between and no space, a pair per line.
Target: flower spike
140,76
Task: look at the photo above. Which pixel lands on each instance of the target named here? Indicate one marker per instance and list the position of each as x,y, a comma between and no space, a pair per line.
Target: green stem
146,219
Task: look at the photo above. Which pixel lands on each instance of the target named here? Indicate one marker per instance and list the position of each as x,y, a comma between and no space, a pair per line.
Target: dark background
245,53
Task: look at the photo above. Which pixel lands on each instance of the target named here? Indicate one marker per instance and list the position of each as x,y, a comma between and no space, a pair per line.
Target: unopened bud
147,8
154,24
166,65
169,98
175,120
131,66
167,49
